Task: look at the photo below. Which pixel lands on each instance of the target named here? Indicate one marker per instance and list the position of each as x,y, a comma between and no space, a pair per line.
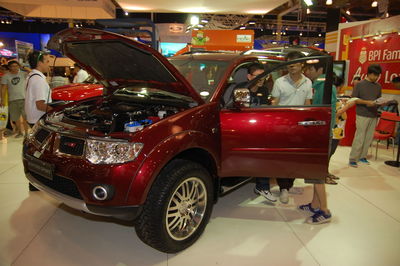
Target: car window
296,84
203,75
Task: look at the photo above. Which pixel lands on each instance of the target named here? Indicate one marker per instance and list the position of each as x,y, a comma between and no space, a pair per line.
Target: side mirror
241,97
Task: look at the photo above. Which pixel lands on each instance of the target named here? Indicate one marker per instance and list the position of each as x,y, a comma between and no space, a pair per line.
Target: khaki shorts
16,109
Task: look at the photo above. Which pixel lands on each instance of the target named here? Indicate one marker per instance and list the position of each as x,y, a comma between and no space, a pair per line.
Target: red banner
384,50
376,41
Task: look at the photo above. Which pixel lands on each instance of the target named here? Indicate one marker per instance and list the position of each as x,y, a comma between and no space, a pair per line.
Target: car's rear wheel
177,208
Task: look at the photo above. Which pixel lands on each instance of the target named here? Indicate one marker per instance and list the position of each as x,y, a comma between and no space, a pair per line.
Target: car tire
32,187
177,208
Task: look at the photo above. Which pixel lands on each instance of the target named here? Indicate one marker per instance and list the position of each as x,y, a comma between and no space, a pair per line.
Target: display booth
220,40
369,42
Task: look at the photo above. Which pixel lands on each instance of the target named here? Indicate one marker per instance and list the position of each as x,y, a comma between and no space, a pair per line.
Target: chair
384,131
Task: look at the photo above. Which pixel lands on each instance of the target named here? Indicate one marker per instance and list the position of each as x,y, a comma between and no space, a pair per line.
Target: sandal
333,177
330,181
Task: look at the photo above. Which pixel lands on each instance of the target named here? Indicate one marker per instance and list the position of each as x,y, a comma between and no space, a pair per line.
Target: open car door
282,141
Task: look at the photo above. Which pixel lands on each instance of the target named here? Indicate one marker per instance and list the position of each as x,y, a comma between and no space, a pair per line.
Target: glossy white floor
243,230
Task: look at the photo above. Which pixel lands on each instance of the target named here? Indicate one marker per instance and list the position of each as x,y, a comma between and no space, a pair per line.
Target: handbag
3,117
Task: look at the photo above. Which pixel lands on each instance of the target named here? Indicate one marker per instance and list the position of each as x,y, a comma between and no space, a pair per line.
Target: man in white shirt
80,74
38,93
291,89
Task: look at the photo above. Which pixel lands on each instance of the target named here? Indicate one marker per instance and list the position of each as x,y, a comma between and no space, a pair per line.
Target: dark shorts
314,181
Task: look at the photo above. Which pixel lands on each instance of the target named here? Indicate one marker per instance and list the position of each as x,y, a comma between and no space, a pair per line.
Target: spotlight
126,13
319,35
374,4
328,2
308,2
308,11
348,12
301,34
194,20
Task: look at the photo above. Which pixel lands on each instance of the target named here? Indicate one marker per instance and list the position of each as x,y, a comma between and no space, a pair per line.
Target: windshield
203,75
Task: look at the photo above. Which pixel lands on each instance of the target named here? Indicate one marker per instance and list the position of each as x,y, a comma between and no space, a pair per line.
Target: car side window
296,84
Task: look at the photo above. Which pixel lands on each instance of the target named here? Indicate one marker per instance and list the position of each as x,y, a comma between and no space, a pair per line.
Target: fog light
101,192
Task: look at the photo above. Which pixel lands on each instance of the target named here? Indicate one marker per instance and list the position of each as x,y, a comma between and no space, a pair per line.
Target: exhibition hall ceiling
205,6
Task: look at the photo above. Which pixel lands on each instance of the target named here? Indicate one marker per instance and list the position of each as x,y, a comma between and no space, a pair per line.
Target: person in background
339,84
396,85
291,89
14,83
259,96
3,109
318,207
37,89
316,72
80,74
356,80
58,79
367,91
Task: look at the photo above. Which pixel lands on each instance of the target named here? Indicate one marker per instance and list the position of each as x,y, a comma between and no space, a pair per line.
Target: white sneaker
266,194
284,196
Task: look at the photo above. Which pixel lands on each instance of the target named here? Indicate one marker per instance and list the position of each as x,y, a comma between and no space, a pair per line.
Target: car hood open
117,61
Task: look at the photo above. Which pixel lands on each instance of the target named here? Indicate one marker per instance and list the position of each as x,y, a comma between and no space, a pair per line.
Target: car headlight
111,152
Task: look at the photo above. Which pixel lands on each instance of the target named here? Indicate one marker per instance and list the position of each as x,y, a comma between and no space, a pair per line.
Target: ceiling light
257,12
374,4
135,8
126,13
301,34
319,35
194,20
308,2
348,12
328,2
200,26
196,10
204,21
308,11
242,28
252,23
1,44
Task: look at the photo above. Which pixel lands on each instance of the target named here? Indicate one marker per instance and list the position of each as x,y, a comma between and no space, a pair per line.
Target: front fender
163,153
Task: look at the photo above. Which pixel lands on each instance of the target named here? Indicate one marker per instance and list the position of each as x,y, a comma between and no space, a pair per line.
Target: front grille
71,146
63,185
41,135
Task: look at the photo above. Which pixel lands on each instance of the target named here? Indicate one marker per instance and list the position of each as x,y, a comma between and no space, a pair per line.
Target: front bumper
127,213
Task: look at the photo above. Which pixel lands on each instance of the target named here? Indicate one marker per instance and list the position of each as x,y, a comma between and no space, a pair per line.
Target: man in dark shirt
259,95
367,91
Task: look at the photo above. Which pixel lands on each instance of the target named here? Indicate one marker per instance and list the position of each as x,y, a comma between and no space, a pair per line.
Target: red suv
167,138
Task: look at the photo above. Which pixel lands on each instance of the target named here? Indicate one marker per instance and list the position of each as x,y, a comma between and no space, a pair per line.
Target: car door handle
312,123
